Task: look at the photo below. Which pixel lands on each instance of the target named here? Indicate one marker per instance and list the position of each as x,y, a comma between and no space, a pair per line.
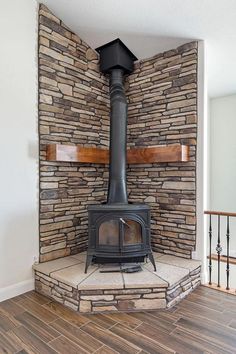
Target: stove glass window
132,232
109,233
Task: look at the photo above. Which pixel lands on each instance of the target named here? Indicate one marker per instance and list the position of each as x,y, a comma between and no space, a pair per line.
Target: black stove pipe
117,191
117,60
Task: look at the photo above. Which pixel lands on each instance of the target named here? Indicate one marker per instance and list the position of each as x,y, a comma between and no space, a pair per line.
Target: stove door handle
124,222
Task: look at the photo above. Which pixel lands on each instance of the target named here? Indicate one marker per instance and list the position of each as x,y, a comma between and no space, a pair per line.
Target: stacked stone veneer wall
73,109
116,300
162,96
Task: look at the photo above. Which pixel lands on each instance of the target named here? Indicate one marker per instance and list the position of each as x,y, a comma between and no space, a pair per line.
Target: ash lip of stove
119,232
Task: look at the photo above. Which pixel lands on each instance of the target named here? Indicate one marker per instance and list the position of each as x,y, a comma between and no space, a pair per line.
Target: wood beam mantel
162,153
75,153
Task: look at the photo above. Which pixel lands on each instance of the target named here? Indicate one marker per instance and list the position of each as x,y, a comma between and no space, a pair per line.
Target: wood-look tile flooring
205,322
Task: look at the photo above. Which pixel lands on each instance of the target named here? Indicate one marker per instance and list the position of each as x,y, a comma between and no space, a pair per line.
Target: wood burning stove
118,231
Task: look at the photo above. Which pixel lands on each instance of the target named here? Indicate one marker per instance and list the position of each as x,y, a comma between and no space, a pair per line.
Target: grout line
62,316
86,278
49,299
54,271
123,279
34,315
107,331
159,277
64,336
71,323
61,335
88,334
31,330
115,324
135,346
190,270
105,346
140,324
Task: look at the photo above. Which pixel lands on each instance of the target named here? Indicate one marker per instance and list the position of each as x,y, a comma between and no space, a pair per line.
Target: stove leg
150,256
88,262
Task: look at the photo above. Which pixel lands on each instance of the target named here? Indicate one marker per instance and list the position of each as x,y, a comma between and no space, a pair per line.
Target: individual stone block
128,291
104,309
91,54
127,297
141,304
97,297
56,55
46,279
53,247
179,185
71,305
45,99
156,295
85,306
65,89
54,255
47,81
103,303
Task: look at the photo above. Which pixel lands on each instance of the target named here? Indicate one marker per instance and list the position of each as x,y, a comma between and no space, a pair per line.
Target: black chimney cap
115,55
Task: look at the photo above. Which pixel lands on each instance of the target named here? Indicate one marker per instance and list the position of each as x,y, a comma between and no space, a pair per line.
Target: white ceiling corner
152,26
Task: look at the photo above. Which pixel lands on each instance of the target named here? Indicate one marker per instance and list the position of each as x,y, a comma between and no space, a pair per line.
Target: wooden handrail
222,213
223,258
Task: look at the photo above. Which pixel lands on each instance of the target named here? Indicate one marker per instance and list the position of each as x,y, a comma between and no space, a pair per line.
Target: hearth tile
99,281
143,279
110,268
189,264
57,264
80,256
169,273
157,254
73,275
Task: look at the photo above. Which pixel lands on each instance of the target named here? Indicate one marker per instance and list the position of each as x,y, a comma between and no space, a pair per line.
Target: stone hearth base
64,280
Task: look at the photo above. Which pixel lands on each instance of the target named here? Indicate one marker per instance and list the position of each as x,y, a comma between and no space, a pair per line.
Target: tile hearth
64,280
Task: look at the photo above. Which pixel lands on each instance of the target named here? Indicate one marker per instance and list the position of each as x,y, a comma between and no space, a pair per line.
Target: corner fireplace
118,231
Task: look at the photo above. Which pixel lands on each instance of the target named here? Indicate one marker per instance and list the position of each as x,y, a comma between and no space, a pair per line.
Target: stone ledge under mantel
64,280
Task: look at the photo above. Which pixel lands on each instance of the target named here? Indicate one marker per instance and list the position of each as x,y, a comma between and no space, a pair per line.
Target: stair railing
218,256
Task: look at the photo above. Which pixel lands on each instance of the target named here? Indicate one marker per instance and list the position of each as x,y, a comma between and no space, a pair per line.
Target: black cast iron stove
118,231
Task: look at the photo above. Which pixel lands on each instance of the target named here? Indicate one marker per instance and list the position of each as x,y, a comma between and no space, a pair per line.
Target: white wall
223,153
201,186
19,145
223,174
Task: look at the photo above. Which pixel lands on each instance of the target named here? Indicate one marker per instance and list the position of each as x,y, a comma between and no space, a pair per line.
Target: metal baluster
210,238
227,265
218,250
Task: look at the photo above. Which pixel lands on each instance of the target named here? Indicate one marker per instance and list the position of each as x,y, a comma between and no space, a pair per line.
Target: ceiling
149,27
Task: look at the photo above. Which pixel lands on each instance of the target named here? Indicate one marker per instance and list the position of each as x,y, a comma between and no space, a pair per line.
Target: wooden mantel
75,153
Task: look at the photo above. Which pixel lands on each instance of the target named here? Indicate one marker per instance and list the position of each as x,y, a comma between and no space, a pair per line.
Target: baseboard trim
16,289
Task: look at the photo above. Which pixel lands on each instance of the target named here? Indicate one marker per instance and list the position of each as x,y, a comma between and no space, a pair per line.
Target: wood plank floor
205,322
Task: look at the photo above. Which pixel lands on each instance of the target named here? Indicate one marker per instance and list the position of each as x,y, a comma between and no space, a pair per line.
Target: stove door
132,232
120,234
109,232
